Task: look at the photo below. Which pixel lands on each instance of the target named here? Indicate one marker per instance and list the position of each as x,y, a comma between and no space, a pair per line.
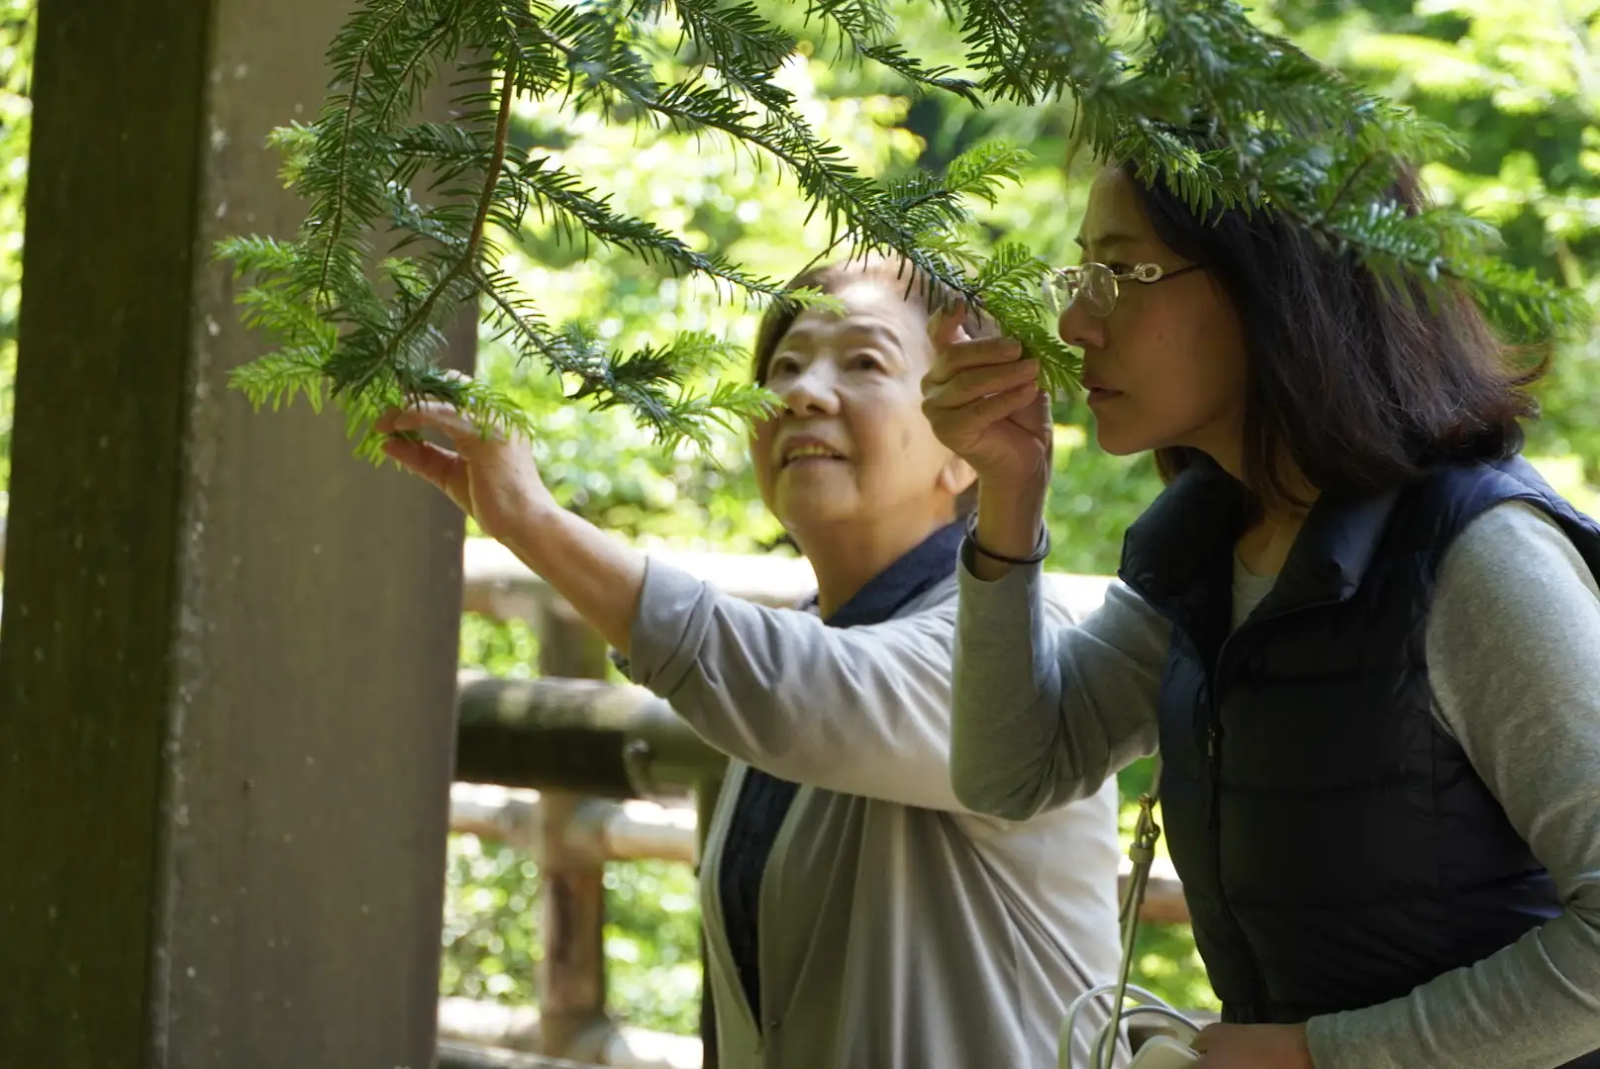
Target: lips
1096,390
804,449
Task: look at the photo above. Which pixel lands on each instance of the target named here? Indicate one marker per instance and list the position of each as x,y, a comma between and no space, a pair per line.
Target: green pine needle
396,244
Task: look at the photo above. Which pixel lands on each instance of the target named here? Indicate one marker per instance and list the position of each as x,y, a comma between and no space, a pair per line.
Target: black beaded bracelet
1038,556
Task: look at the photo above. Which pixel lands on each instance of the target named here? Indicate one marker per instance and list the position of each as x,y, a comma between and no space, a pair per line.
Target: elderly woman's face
851,441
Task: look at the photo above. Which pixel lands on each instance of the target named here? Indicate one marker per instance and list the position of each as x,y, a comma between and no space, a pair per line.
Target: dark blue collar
915,573
1185,541
1178,556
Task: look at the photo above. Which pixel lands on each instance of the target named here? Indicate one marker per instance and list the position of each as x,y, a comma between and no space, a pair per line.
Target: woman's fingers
955,349
953,359
996,407
976,417
969,385
441,416
442,467
949,328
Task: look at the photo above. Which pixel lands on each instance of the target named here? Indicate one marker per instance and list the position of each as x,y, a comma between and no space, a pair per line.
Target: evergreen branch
409,80
862,22
731,405
1039,49
639,381
562,193
1009,286
866,25
475,237
1228,116
736,38
851,201
1339,194
367,44
276,379
944,79
834,187
1398,245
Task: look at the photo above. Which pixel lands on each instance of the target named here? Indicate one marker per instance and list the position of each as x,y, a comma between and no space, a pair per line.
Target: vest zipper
1258,993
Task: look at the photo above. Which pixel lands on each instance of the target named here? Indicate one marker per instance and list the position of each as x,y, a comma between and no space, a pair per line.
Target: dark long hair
915,287
1363,383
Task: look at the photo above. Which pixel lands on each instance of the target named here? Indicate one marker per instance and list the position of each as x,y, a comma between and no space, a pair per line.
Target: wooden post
572,975
228,647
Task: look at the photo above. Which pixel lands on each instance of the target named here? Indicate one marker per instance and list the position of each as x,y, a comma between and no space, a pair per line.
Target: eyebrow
876,330
1102,240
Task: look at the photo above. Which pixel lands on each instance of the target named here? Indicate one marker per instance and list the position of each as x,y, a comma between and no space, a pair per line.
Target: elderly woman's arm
493,478
860,710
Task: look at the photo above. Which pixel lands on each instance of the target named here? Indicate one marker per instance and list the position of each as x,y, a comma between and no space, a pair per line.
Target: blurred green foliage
1520,79
16,66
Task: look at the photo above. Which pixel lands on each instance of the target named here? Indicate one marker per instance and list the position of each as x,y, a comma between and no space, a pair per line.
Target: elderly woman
857,914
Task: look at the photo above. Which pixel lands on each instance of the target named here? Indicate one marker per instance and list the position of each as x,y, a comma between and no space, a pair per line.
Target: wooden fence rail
604,829
455,1054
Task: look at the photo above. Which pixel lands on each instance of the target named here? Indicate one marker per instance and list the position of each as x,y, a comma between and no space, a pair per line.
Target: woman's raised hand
985,404
490,476
493,478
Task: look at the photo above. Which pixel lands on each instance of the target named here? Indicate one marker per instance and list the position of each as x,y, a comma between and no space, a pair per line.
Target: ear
956,476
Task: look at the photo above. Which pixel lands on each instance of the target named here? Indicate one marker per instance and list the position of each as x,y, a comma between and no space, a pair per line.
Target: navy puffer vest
1335,844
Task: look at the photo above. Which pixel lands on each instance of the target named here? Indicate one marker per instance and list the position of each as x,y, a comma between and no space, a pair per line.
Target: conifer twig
491,180
336,224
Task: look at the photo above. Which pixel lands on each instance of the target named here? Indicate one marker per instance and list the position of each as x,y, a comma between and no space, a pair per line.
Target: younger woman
1364,634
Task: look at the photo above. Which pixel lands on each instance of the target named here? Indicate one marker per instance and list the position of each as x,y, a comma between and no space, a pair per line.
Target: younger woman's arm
1044,714
1514,656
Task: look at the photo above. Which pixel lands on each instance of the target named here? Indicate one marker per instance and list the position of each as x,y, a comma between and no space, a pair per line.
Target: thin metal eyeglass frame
1069,278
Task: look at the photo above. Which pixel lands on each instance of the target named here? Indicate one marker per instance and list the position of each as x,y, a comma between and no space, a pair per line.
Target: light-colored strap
1142,853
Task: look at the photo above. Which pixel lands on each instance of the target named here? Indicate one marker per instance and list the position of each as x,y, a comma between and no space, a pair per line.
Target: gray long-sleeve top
898,929
1045,714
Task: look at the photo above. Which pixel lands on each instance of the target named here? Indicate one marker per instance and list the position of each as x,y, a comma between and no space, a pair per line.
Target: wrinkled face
851,442
1167,366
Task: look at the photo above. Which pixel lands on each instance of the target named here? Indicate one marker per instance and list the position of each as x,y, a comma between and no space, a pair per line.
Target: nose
1078,326
812,392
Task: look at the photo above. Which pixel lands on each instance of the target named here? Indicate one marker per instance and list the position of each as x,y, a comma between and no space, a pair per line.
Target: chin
809,509
1119,442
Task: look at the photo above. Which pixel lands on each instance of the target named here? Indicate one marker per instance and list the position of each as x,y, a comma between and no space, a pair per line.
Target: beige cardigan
898,929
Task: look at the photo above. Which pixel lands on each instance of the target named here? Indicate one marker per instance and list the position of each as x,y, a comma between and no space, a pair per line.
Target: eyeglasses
1096,285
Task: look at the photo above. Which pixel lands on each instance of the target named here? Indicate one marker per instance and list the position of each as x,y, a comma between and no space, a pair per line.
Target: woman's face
1167,366
851,443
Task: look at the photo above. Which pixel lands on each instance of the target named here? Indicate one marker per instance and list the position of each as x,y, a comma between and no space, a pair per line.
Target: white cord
1142,854
1105,1041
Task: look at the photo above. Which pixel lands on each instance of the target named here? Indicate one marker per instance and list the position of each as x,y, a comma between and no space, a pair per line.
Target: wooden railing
618,777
